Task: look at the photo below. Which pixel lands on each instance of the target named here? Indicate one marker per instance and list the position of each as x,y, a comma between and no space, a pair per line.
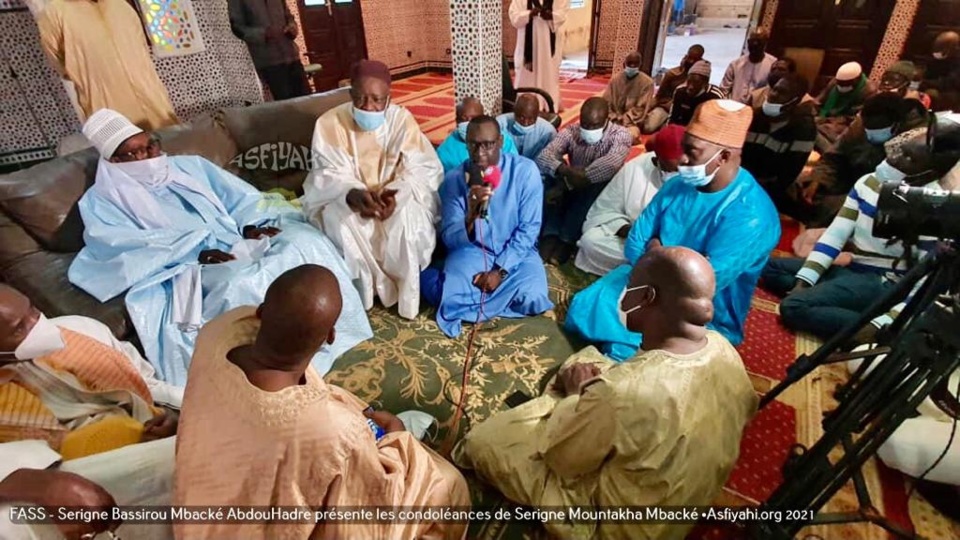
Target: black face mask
756,50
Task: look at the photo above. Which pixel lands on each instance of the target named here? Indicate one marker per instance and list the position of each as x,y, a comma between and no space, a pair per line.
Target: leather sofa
40,226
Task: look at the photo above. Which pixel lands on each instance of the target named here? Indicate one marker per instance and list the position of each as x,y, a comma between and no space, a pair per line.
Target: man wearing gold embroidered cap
714,207
80,424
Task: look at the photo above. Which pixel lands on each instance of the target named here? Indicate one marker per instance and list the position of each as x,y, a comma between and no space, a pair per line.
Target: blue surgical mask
666,176
631,72
879,136
696,175
369,120
888,173
462,129
523,129
591,136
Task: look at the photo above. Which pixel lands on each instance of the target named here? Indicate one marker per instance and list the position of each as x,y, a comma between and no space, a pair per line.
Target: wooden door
839,31
933,17
333,32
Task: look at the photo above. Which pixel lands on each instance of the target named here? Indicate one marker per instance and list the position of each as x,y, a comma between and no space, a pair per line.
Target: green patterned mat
412,365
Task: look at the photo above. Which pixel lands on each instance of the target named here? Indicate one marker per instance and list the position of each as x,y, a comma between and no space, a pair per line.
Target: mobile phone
516,399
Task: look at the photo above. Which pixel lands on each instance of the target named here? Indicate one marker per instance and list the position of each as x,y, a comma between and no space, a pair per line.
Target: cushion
203,136
290,121
43,199
42,277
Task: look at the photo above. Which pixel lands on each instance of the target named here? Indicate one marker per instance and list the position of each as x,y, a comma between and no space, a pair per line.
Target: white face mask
772,110
915,85
888,173
591,136
462,129
623,314
939,55
844,89
879,136
44,338
696,175
152,173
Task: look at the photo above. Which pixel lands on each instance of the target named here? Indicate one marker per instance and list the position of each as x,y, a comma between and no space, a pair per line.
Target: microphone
489,177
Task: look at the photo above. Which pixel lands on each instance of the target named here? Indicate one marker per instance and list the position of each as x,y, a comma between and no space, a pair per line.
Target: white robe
384,258
620,203
546,68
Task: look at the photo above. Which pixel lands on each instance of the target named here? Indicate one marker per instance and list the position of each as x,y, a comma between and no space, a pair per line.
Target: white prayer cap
849,71
107,129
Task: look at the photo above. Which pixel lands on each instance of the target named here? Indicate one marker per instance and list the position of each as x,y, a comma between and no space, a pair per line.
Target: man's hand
290,31
624,231
388,202
475,199
52,488
251,232
546,15
389,422
535,12
798,286
487,281
570,379
867,334
161,426
364,203
214,256
810,191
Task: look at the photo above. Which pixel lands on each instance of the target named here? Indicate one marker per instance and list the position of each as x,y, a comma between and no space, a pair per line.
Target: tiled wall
40,115
395,28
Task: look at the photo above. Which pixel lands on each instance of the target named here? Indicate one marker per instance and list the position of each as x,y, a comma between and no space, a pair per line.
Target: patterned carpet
410,364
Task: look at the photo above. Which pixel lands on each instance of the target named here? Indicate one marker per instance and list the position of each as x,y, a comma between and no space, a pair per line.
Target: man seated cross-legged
661,429
260,427
715,207
492,268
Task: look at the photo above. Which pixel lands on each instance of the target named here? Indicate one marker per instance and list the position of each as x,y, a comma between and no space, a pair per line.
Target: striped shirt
870,254
600,161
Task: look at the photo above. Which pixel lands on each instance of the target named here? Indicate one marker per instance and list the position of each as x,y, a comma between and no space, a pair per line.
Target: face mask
591,136
666,176
623,314
888,173
152,173
879,136
631,72
523,129
939,55
772,110
844,89
462,129
369,121
44,338
696,175
915,85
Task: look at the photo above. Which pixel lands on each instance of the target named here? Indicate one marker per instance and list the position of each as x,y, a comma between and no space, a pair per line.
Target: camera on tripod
908,212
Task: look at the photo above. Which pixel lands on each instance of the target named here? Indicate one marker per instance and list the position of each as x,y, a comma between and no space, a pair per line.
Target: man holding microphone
491,216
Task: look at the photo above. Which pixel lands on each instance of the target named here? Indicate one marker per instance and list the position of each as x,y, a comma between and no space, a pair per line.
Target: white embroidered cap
107,129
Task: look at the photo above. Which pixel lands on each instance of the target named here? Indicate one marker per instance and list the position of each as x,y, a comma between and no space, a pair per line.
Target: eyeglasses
482,145
146,152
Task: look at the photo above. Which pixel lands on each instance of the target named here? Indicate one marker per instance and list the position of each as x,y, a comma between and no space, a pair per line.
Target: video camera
907,212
